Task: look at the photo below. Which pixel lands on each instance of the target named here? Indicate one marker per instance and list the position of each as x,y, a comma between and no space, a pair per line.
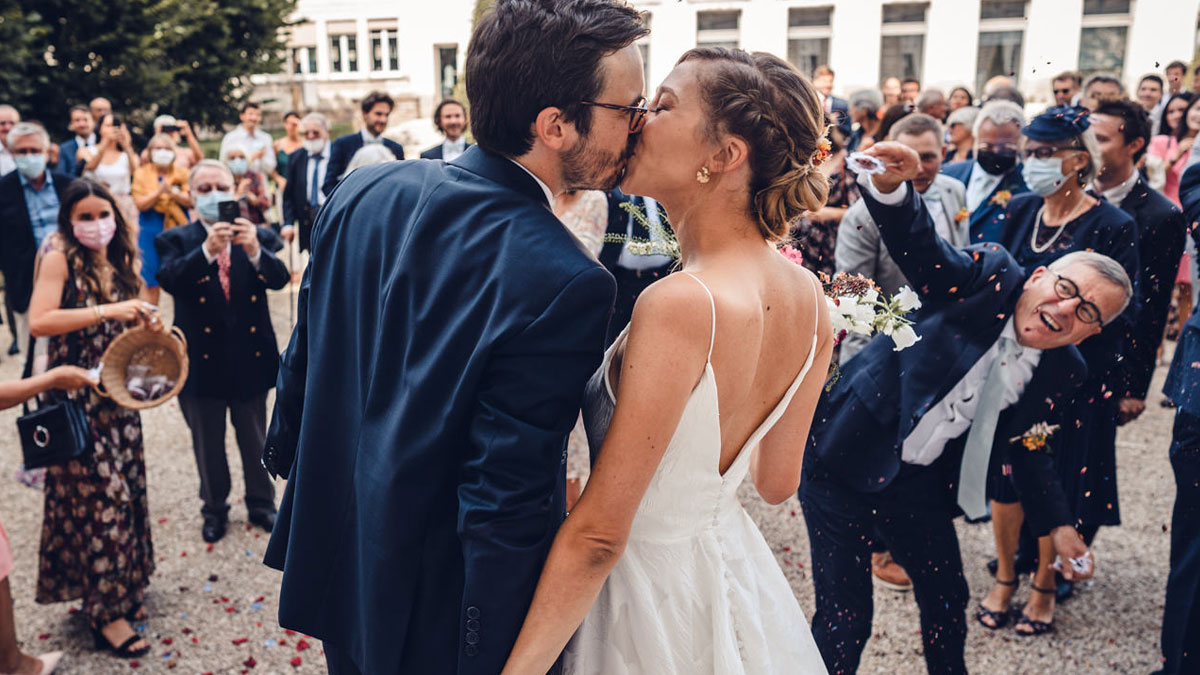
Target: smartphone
228,210
169,128
116,120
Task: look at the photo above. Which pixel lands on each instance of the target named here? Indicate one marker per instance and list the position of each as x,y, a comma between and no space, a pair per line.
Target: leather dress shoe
264,519
213,529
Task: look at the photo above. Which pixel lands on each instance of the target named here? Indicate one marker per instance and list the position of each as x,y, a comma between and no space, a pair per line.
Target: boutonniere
1035,439
1001,198
962,215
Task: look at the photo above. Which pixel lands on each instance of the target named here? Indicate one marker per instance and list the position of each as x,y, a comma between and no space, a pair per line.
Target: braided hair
765,101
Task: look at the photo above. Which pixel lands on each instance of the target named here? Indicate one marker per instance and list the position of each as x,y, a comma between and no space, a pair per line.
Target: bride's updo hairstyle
768,103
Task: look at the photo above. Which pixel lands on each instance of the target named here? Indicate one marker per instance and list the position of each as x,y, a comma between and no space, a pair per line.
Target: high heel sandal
1000,617
1036,627
123,651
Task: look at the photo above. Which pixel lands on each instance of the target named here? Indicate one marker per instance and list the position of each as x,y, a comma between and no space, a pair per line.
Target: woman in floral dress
95,527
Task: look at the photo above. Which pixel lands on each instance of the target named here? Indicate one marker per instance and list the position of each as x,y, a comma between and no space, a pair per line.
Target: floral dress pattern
817,239
96,524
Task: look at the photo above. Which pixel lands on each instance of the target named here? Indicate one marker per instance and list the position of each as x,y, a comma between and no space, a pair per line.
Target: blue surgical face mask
208,204
238,166
1043,176
30,166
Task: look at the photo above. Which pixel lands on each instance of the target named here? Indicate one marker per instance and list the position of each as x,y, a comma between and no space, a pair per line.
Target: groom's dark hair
528,55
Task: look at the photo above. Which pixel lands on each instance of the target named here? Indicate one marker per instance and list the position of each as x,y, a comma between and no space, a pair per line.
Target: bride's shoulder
677,304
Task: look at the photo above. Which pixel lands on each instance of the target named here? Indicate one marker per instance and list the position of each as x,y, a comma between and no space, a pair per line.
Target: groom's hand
902,164
1068,544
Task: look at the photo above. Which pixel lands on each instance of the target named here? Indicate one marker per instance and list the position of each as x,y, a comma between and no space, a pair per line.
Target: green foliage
191,58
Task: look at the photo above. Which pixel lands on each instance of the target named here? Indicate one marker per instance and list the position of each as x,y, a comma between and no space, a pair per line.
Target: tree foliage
191,58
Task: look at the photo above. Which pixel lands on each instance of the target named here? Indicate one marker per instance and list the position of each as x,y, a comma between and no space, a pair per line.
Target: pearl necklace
1037,221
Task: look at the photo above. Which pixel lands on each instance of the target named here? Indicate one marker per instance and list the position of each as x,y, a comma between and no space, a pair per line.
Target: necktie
972,479
313,194
223,271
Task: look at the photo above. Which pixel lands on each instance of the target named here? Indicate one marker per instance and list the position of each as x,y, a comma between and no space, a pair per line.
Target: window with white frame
343,53
902,45
385,49
1001,38
809,32
718,29
1103,40
304,60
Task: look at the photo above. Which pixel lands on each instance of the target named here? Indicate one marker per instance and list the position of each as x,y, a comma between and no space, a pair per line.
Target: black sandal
1036,627
1000,617
123,651
132,615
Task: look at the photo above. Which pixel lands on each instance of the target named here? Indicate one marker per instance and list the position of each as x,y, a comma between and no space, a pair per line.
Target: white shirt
259,140
451,150
88,142
941,222
7,163
210,257
951,417
1117,193
632,261
369,137
980,186
545,188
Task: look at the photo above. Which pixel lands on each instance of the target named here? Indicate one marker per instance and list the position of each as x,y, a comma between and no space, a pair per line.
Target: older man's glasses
1068,290
637,112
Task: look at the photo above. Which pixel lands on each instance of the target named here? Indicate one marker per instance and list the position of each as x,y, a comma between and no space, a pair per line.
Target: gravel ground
213,610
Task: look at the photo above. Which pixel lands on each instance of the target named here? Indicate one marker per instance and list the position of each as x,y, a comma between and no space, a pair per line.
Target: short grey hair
1106,78
315,118
23,129
929,97
372,153
162,121
231,148
4,107
917,124
1103,265
965,115
997,112
207,164
869,99
164,138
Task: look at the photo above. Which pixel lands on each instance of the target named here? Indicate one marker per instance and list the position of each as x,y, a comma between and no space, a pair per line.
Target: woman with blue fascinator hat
1058,216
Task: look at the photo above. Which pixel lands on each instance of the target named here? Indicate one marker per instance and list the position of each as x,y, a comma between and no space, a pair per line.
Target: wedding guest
865,108
1176,71
99,107
891,91
1099,87
1058,217
287,144
836,107
633,273
30,198
218,274
251,187
160,190
376,107
9,117
910,89
1181,621
895,453
891,115
112,162
256,144
932,102
307,167
1005,92
860,250
995,175
187,148
1150,96
1174,149
96,525
373,153
961,144
450,118
1172,115
1066,88
816,233
960,97
83,135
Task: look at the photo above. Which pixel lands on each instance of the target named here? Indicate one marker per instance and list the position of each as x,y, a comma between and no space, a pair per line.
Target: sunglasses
1068,290
1064,92
637,112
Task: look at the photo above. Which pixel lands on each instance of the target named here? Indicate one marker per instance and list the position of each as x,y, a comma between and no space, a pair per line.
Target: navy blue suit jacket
231,345
1183,380
841,115
436,152
881,395
987,221
447,325
66,157
342,151
18,249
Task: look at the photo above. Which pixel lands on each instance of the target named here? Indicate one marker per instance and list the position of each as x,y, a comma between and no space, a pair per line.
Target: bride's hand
902,164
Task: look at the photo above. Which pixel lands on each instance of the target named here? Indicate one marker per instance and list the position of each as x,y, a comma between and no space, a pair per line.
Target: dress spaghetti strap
713,338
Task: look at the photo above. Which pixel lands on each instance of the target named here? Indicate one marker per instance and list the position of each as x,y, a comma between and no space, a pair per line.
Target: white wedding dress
698,590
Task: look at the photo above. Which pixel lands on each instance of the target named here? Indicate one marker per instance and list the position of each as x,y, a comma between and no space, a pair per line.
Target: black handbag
57,430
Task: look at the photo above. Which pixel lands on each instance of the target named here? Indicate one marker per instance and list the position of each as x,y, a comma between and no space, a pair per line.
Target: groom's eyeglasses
637,112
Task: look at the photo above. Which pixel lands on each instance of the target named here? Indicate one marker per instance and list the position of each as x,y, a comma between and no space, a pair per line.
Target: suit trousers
206,418
916,517
1181,615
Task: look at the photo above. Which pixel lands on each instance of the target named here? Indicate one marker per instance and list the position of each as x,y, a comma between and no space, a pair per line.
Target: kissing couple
451,329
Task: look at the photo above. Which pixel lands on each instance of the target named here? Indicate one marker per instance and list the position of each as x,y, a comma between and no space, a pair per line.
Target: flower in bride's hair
907,299
792,254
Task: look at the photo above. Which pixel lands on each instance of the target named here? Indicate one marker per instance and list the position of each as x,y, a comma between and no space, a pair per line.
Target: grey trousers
206,419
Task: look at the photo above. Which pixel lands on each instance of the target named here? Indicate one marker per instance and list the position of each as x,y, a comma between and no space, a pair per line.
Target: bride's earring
702,175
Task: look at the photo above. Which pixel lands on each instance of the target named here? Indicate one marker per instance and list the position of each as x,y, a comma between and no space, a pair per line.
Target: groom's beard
588,168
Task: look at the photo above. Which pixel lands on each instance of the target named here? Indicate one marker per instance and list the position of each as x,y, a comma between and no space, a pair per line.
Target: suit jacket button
472,650
253,298
253,329
472,637
472,624
207,329
203,299
206,357
472,612
257,354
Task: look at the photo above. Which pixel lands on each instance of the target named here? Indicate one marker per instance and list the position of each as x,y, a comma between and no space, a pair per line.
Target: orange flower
1001,198
962,215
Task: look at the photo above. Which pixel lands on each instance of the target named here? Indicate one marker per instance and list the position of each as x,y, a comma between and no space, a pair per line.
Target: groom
905,438
447,325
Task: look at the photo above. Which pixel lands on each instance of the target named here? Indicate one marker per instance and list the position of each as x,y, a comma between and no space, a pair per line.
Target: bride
658,569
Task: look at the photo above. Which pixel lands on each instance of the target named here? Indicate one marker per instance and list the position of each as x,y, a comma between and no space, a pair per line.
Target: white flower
870,296
908,299
904,337
839,320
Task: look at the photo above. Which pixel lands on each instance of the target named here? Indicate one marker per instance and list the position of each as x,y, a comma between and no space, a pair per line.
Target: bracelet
99,312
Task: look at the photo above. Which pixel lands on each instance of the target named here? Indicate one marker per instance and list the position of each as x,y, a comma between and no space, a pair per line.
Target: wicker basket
164,352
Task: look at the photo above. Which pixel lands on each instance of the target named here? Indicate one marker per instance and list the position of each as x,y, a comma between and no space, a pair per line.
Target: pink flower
792,254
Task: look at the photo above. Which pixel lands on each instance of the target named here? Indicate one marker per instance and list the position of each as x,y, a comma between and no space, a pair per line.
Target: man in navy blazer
447,325
376,108
83,134
450,118
307,169
886,451
994,176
